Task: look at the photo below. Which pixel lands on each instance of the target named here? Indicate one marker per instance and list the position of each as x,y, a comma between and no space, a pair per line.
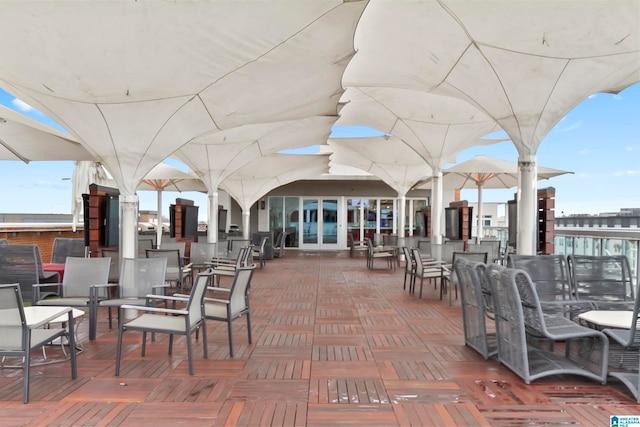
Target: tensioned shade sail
137,91
260,176
388,158
26,139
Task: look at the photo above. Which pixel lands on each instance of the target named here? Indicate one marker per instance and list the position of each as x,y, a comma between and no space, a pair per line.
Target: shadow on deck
333,343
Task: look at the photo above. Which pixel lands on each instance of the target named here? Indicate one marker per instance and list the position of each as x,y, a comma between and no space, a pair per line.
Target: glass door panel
329,222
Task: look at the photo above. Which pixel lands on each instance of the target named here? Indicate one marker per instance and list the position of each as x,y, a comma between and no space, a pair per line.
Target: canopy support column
436,207
246,215
212,226
128,225
479,229
526,241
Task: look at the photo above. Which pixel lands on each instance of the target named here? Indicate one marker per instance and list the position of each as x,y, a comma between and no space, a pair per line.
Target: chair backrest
471,256
64,247
449,247
488,247
138,276
424,245
145,243
195,305
174,262
509,317
236,245
114,268
549,273
202,252
474,315
390,239
4,242
21,264
13,329
417,257
409,260
603,279
179,246
280,244
82,273
238,296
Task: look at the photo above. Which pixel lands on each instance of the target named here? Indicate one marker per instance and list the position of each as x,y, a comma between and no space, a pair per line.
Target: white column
402,213
129,226
362,219
479,229
212,226
436,207
526,241
246,215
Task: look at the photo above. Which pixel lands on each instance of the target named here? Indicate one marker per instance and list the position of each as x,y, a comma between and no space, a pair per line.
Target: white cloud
583,152
630,148
627,173
21,105
571,127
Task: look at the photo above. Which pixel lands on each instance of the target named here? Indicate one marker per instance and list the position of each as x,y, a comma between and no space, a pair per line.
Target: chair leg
421,281
230,331
26,364
189,354
249,326
205,348
119,349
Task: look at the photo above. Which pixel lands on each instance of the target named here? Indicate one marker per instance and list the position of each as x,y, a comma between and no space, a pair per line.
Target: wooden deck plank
340,345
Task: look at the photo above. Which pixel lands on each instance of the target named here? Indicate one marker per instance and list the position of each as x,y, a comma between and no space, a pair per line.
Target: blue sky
599,141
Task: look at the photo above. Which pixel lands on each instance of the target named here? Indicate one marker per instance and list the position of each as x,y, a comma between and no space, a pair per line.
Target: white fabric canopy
171,71
435,127
257,178
525,63
26,139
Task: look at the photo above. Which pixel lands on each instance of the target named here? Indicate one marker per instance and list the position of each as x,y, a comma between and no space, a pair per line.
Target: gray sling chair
605,281
552,279
475,310
526,336
17,339
138,278
449,277
173,321
624,360
80,276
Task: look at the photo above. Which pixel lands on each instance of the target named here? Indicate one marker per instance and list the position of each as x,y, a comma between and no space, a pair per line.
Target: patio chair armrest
214,288
223,301
37,286
174,297
152,309
95,289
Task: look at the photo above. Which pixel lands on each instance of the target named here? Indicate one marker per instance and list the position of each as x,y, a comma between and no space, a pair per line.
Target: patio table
599,319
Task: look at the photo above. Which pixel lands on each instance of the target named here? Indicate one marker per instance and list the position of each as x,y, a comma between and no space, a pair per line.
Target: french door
319,223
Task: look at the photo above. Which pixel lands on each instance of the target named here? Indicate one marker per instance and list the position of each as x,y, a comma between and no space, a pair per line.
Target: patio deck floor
333,344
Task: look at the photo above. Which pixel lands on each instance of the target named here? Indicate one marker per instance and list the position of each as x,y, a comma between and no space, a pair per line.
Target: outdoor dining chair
552,279
527,337
18,339
605,281
478,322
233,304
258,251
138,278
449,275
64,247
173,321
80,275
176,270
425,269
